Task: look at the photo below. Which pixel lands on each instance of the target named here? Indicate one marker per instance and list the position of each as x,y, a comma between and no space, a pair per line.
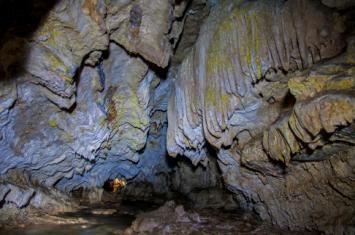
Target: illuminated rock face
83,98
300,165
219,90
105,89
259,90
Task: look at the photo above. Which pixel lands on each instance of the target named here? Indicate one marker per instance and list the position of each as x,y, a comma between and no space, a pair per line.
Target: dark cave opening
288,102
19,20
108,185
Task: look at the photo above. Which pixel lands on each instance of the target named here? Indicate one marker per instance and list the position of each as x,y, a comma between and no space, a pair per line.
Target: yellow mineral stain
89,8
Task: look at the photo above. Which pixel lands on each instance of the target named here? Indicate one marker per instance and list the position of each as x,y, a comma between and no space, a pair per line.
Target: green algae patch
305,87
342,84
218,55
53,123
56,65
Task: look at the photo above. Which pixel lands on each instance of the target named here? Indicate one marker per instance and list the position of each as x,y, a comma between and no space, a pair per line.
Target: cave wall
261,89
256,97
84,92
237,47
84,96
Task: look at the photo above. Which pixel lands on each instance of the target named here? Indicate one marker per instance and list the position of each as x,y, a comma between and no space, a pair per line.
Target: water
95,221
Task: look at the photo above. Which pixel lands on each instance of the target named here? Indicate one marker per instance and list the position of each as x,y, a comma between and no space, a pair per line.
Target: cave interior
177,117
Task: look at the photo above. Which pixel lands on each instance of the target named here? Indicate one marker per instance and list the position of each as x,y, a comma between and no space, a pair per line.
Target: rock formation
79,96
259,90
253,97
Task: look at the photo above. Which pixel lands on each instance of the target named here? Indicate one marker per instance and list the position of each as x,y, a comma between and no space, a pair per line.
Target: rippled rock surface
83,99
227,104
260,90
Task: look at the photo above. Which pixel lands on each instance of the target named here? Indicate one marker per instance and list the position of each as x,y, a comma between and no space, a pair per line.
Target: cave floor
145,218
101,219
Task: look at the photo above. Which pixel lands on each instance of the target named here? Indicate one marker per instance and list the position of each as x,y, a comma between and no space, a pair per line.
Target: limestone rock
8,95
197,12
102,137
306,124
142,28
157,220
95,90
70,32
257,88
78,109
324,104
240,43
292,199
172,218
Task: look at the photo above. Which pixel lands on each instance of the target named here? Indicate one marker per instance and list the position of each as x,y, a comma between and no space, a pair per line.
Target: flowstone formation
261,90
255,100
84,97
238,46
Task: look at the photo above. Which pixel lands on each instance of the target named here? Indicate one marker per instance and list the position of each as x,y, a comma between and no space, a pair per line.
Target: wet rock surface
104,218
